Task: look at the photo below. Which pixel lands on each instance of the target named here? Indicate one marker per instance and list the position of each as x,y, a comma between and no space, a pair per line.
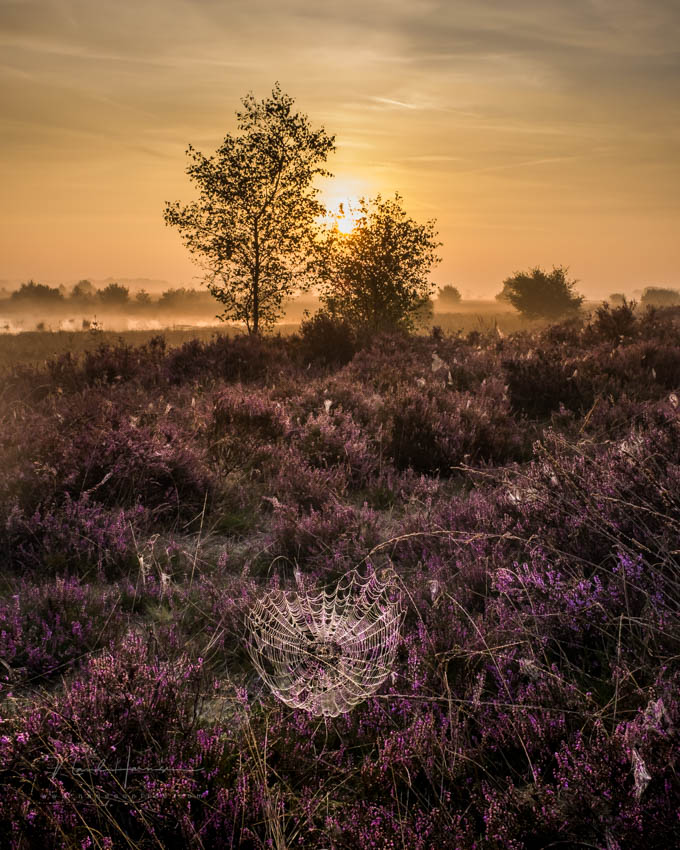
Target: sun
342,201
346,216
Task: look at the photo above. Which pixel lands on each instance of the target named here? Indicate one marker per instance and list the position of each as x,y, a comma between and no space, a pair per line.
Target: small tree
659,296
33,291
539,294
253,225
376,276
614,323
114,295
183,299
83,291
142,298
617,299
449,295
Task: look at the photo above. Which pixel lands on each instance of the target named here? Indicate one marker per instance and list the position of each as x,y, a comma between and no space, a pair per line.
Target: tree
253,225
142,298
33,291
376,276
182,299
539,294
616,322
114,295
449,295
83,291
659,296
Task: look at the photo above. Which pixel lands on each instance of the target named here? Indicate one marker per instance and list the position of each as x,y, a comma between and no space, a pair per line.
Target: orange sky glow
536,132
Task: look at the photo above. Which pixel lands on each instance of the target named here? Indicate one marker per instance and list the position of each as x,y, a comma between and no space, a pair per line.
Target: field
34,346
520,489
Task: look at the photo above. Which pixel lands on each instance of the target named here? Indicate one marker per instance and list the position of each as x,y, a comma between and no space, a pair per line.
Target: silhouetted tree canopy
114,295
37,292
182,298
84,290
449,295
540,294
659,296
377,276
253,225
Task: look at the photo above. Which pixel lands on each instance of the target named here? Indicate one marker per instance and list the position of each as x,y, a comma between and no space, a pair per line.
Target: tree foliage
114,295
540,294
449,295
376,276
253,224
659,296
37,292
84,290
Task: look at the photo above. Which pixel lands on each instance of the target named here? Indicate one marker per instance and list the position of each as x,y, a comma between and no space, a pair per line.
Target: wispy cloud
576,103
400,104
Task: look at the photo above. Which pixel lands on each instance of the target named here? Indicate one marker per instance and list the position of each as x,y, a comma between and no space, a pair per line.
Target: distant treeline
113,296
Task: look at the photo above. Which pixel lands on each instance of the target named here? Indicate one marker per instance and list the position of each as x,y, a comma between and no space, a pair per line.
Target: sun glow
342,202
346,216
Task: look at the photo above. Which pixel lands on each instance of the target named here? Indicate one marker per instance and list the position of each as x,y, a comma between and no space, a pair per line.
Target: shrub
590,498
238,359
83,291
614,324
332,439
105,445
45,629
448,296
541,383
184,299
120,753
534,695
436,429
327,339
539,294
658,296
244,422
332,539
108,364
288,478
80,536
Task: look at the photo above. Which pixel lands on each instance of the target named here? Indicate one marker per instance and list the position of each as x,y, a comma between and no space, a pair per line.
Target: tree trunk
256,282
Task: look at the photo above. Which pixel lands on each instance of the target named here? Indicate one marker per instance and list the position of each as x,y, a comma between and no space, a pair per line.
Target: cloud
488,105
388,101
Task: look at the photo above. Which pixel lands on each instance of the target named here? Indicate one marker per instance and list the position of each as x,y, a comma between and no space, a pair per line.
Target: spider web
326,652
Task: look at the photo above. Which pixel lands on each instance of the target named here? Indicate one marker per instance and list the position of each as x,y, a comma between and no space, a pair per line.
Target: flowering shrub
437,429
333,439
248,413
523,489
118,447
327,340
78,536
332,539
232,359
45,628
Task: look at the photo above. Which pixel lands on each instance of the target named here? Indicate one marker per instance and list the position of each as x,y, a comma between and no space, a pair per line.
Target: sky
535,132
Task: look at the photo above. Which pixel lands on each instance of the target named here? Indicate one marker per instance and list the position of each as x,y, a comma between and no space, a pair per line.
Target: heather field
522,488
